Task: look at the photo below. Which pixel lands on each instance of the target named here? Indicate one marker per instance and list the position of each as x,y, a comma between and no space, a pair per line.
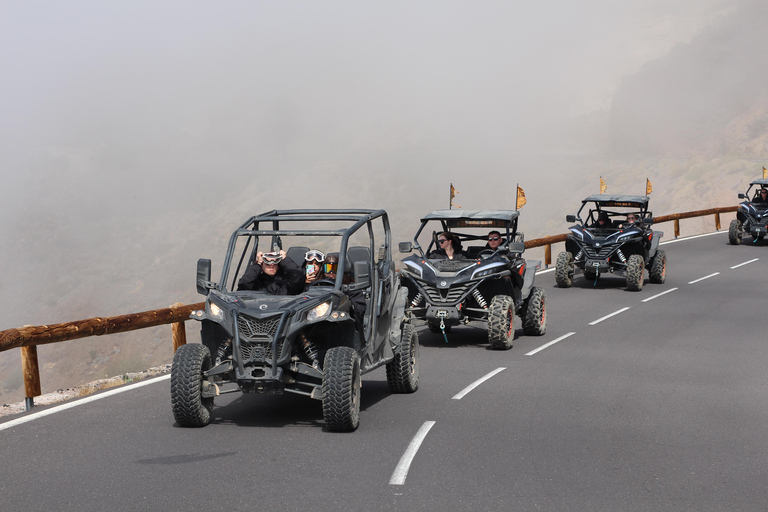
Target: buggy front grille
451,295
594,253
259,351
257,329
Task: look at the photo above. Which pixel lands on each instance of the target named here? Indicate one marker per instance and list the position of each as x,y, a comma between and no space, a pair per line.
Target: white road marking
479,381
691,237
551,269
606,317
745,263
75,403
703,278
561,338
659,294
401,471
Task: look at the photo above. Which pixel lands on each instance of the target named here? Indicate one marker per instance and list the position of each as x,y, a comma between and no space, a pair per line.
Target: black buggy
488,288
617,246
751,217
311,344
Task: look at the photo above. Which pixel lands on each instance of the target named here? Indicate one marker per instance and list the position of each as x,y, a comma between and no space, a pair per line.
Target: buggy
488,288
751,217
618,246
311,344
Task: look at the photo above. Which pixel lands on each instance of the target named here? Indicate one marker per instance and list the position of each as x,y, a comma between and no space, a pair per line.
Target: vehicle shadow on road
461,336
604,282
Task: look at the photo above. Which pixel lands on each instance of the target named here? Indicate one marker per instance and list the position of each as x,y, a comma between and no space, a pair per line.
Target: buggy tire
564,270
189,407
341,389
501,322
435,328
734,232
403,370
635,273
658,270
535,313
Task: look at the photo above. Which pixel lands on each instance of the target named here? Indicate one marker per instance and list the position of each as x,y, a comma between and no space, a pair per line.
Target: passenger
357,297
631,219
313,267
761,197
274,273
494,241
449,248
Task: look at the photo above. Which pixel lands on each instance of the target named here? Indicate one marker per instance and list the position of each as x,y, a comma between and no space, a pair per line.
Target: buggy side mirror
648,221
405,247
570,218
517,247
203,276
361,273
742,196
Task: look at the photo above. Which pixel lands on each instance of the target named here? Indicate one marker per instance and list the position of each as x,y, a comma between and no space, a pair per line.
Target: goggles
331,268
272,258
314,254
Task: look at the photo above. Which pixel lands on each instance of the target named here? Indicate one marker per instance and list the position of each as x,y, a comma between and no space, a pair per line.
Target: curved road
650,400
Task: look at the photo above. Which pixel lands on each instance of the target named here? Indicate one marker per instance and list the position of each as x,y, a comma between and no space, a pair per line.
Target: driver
761,197
603,221
274,273
494,241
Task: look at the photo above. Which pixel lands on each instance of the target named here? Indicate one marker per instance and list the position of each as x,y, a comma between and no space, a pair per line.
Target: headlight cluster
216,312
319,311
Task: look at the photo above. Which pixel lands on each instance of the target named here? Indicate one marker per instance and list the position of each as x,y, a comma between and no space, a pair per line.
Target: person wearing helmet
273,273
603,221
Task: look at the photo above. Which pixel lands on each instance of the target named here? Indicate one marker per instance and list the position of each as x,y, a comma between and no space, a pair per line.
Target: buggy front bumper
450,315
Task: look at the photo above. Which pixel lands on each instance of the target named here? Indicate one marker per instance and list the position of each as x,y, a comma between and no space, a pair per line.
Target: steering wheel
485,253
323,282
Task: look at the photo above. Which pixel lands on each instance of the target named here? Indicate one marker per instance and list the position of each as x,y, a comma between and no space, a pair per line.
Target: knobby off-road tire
403,370
564,270
190,409
658,270
433,327
341,389
734,232
635,271
535,313
501,322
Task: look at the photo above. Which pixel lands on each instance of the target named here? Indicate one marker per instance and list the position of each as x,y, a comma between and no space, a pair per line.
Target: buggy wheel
501,322
341,389
658,270
564,269
403,370
535,313
433,327
190,409
734,232
635,271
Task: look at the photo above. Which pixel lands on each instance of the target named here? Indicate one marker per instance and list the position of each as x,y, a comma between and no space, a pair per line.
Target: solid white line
401,471
479,381
703,278
550,269
606,317
561,338
92,398
659,294
691,237
745,263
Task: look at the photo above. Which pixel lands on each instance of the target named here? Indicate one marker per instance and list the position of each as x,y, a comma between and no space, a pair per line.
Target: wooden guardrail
29,337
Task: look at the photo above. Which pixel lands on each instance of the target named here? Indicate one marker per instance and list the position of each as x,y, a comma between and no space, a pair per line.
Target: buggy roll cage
251,230
761,183
615,201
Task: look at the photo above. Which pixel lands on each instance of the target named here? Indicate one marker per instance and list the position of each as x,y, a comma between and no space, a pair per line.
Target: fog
137,135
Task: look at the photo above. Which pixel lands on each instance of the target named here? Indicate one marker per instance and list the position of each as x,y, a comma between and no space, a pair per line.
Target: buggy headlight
216,312
319,311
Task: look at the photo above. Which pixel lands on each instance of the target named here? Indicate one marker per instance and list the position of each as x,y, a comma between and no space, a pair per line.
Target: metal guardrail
27,338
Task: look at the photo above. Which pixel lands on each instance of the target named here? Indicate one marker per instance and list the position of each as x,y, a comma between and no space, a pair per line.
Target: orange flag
648,187
603,186
520,198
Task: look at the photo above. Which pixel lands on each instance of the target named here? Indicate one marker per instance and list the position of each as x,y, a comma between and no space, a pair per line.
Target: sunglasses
441,240
494,238
331,268
314,254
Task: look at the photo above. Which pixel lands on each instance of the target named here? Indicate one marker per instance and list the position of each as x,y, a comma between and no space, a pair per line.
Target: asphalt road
639,404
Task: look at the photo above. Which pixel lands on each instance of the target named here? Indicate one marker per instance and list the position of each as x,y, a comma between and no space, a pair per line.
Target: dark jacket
289,279
439,254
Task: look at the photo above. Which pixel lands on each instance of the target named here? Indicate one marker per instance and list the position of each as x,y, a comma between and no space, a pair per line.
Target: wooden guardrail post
677,228
31,374
547,255
178,331
717,221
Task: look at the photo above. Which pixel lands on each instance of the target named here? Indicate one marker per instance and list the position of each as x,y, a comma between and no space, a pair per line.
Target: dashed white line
86,400
463,392
659,294
550,269
745,263
561,338
401,471
606,317
703,278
